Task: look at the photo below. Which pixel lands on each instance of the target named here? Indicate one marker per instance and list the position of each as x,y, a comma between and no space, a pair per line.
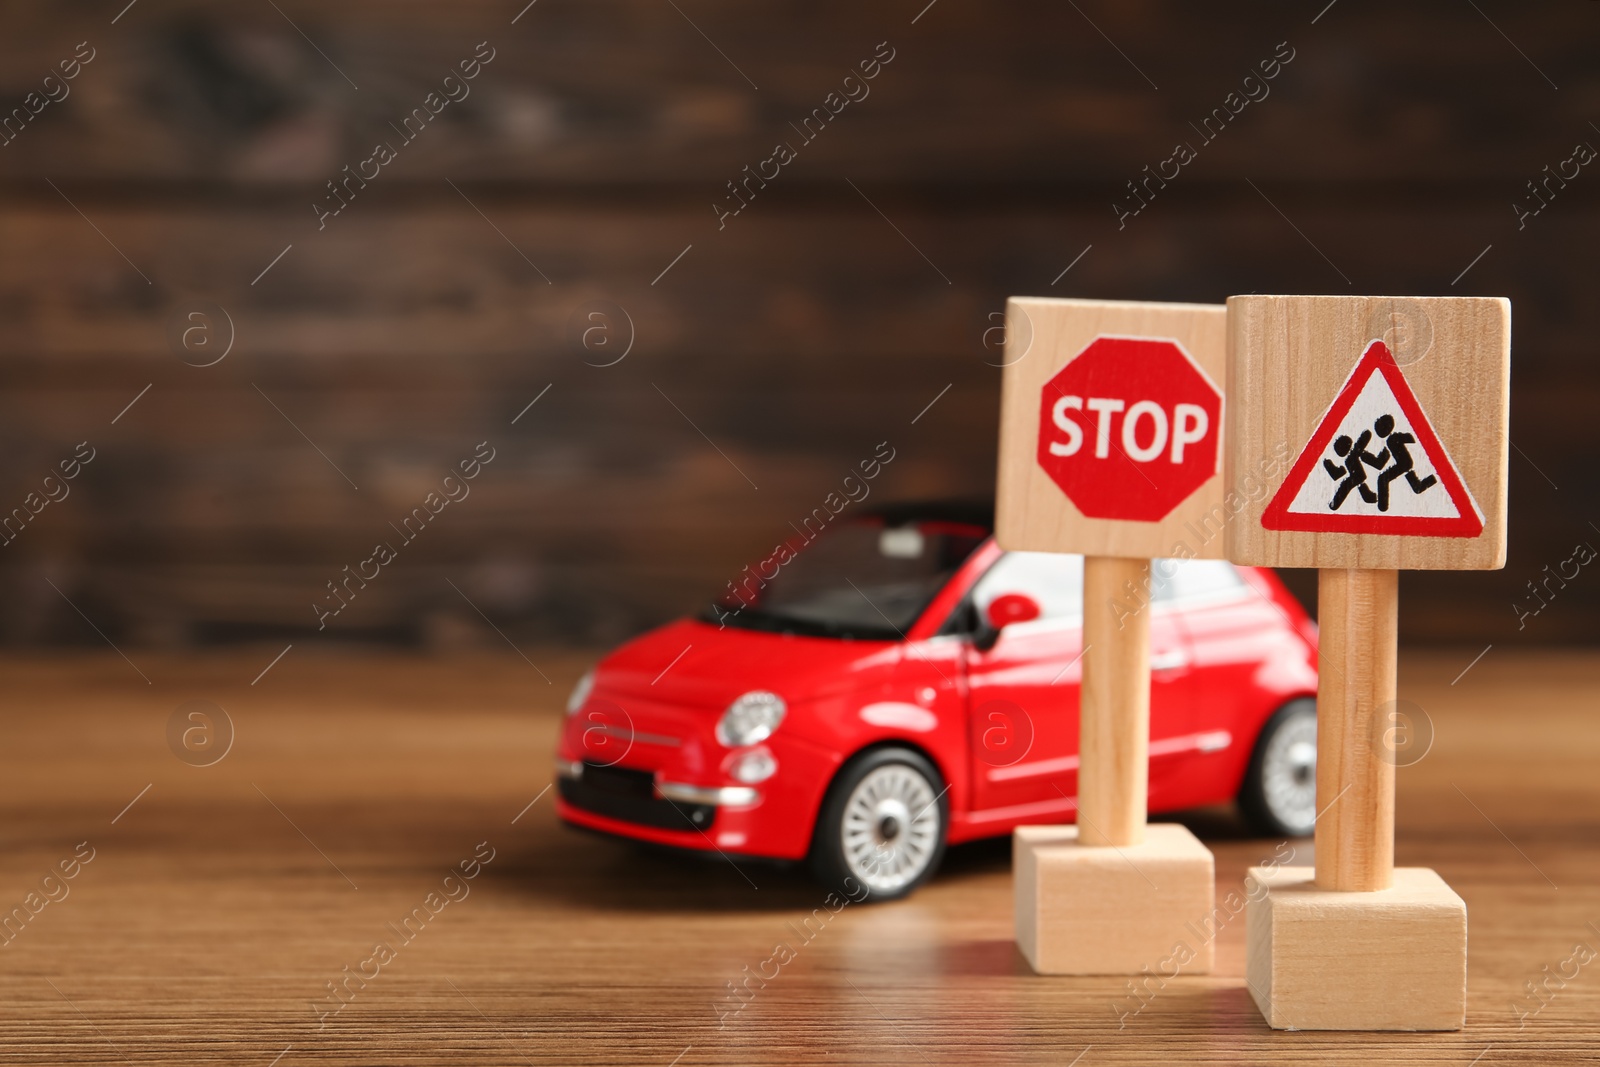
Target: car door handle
1172,660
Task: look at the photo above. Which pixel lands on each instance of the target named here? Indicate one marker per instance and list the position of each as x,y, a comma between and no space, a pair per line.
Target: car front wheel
1279,795
882,825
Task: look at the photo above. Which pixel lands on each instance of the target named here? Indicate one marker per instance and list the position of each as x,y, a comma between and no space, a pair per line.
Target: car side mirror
1002,612
1011,607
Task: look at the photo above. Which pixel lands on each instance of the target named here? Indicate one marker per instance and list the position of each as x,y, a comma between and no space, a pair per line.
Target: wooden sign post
1110,445
1397,411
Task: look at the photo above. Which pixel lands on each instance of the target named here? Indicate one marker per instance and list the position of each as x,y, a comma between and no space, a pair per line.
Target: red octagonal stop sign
1129,428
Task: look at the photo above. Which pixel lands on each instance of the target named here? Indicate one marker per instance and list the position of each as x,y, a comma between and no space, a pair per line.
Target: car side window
1053,579
1182,581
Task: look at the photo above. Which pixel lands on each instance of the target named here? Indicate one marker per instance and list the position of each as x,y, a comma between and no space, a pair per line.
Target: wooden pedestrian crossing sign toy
1111,445
1395,411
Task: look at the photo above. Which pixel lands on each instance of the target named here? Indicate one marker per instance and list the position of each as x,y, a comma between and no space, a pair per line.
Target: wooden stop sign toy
1111,425
1111,428
1390,414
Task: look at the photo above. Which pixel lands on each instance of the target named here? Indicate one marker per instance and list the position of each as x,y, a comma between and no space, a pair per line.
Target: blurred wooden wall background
818,322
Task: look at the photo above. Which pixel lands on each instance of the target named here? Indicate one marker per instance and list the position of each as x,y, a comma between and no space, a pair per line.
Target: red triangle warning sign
1375,466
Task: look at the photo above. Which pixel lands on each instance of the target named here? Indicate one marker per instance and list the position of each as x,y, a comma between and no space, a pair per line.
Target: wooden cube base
1101,909
1394,959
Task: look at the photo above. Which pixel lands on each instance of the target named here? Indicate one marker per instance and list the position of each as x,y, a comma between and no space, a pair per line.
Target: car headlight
580,692
750,719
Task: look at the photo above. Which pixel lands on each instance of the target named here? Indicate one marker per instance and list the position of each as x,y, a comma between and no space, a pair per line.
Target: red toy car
898,682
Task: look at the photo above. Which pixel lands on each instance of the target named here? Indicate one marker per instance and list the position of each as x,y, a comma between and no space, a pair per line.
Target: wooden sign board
1112,420
1111,423
1382,422
1385,420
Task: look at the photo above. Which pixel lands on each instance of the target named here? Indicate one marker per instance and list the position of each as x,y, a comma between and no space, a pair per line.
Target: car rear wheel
882,825
1279,795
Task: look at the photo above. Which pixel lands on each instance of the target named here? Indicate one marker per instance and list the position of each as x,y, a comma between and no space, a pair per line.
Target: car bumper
670,783
698,826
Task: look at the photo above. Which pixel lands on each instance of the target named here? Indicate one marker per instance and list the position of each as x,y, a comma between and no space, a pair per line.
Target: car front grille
630,796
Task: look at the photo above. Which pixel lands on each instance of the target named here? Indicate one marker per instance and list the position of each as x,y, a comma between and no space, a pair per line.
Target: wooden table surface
219,905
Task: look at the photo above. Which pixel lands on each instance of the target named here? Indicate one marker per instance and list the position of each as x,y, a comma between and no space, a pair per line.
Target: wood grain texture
1083,909
1032,512
1114,704
392,361
627,93
207,925
596,142
1392,959
1357,617
1290,355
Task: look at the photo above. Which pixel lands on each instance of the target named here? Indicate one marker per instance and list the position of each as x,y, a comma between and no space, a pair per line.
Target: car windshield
861,579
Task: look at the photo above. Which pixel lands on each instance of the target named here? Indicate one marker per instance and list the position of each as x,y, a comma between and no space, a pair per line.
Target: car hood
693,663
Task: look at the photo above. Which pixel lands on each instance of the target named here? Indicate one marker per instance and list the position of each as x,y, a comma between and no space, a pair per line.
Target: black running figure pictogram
1398,458
1352,475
